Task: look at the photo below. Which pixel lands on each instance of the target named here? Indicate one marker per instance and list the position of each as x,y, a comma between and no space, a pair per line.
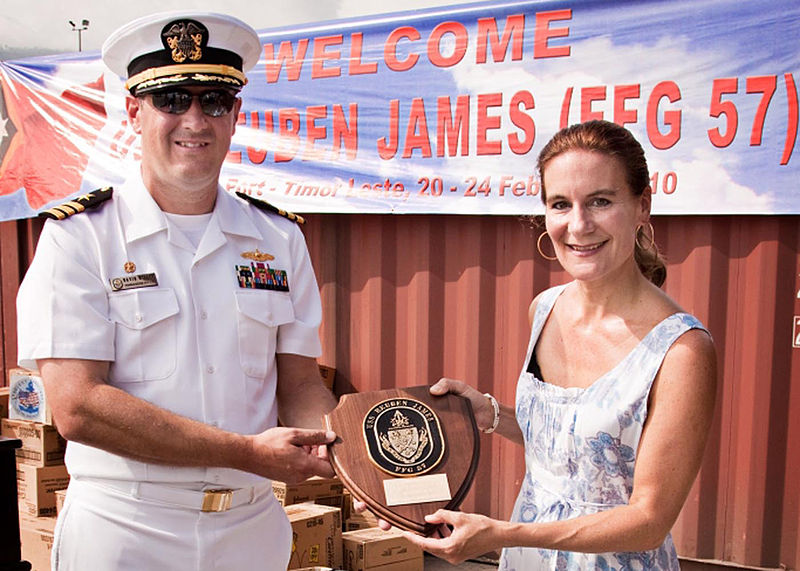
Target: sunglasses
214,103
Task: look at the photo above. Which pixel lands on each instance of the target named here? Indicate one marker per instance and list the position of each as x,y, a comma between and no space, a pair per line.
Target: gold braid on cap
163,71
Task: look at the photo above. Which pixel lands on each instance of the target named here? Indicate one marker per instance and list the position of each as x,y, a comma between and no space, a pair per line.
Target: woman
616,395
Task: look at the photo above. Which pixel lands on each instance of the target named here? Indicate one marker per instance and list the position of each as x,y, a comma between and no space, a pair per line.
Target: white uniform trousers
103,528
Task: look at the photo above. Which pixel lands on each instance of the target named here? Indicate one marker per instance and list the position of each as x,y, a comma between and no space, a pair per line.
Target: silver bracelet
496,420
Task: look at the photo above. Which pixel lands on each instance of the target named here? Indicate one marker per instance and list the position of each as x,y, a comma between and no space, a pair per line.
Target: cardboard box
354,520
3,402
347,505
363,520
377,550
36,536
42,445
316,536
328,375
36,487
325,491
60,496
27,400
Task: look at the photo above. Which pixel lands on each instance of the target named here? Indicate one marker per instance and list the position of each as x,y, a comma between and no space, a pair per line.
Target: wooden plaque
404,452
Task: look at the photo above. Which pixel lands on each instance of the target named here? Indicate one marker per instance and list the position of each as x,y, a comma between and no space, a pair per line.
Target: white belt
213,500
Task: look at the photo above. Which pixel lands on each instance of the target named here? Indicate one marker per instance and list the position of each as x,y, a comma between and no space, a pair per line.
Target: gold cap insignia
185,39
258,256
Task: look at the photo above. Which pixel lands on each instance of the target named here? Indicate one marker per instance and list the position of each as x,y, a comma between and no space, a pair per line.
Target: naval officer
174,326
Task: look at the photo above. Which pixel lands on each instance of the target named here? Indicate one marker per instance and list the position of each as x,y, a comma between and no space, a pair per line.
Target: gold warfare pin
258,256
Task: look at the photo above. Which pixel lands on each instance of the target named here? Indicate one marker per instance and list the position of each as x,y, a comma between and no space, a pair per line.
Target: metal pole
79,28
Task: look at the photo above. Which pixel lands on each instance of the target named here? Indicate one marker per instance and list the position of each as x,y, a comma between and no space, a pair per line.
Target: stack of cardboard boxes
327,534
40,463
314,509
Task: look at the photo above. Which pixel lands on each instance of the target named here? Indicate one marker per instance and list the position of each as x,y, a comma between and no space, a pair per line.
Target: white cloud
704,185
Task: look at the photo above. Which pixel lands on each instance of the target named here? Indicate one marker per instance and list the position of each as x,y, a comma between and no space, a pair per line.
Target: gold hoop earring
539,247
652,236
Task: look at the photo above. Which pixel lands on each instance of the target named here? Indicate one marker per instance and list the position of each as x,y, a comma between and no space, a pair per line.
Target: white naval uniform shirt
198,343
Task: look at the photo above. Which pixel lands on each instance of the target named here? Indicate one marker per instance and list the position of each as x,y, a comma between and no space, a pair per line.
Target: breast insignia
78,204
258,256
264,205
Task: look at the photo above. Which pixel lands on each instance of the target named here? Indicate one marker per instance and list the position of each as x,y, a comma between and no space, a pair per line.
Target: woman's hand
481,406
461,536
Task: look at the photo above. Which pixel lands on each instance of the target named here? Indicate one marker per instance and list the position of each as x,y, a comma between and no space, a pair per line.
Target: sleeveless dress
581,444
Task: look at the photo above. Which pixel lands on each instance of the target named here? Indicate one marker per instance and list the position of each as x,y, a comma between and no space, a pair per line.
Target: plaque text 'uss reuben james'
404,437
404,452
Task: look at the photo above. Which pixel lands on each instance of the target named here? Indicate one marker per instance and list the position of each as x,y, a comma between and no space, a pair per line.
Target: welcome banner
445,110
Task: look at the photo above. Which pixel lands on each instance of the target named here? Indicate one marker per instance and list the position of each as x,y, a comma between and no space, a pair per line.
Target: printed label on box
27,399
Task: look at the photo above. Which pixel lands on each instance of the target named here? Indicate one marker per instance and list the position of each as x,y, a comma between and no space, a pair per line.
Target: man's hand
291,454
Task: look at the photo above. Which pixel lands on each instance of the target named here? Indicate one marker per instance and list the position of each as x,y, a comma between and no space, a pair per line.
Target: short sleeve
301,336
62,305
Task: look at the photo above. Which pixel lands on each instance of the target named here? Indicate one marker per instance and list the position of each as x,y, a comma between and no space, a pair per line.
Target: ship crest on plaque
403,437
405,452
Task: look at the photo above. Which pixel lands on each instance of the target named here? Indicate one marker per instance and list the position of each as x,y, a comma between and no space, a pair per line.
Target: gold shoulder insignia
78,204
264,205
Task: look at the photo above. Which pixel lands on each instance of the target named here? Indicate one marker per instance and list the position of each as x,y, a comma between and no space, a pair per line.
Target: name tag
133,282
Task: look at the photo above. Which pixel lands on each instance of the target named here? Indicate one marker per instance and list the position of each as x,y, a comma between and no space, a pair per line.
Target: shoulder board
78,204
264,205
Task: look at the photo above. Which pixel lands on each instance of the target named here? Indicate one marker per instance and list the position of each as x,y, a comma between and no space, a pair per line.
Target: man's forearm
308,411
113,420
89,411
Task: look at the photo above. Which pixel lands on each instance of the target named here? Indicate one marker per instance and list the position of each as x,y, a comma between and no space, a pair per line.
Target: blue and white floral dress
580,447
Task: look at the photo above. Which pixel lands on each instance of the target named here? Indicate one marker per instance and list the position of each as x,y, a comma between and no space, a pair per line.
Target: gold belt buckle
217,500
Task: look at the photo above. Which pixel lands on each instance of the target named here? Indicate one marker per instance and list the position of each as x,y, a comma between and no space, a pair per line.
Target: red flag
47,154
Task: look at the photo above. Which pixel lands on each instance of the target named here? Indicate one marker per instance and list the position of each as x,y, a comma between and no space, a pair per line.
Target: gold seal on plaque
403,437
